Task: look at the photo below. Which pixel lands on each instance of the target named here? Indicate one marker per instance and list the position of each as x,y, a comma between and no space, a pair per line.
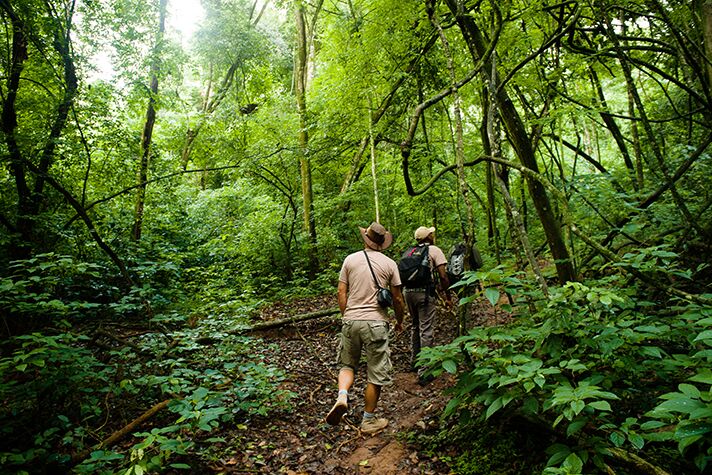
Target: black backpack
414,268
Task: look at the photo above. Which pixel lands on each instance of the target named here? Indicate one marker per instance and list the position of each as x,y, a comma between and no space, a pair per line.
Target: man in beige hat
421,300
366,324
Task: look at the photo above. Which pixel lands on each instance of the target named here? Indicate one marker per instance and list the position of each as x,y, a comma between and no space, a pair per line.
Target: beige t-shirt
437,257
361,303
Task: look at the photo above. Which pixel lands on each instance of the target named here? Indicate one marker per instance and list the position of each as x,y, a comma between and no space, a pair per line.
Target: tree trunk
147,133
469,235
21,248
301,64
374,175
705,12
521,143
209,107
517,224
612,126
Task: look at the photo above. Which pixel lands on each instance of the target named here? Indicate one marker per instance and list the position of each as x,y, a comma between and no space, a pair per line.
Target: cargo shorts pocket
347,353
379,354
378,332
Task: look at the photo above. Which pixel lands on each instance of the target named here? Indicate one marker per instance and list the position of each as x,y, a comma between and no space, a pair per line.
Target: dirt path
301,442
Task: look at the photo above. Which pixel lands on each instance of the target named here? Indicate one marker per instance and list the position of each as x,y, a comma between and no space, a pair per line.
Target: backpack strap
375,281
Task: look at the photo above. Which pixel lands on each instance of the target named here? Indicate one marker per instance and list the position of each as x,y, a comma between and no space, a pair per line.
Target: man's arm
398,306
444,282
342,293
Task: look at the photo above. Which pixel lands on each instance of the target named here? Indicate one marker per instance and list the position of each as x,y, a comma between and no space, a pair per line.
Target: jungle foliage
155,192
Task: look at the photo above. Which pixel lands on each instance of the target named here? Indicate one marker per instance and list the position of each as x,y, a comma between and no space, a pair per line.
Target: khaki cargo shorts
371,336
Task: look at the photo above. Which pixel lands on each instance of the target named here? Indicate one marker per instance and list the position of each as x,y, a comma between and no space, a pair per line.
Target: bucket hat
376,236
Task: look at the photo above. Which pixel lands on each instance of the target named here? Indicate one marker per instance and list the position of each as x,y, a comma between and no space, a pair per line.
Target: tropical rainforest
163,194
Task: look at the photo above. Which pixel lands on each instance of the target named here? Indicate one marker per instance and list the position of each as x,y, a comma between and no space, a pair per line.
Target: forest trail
300,442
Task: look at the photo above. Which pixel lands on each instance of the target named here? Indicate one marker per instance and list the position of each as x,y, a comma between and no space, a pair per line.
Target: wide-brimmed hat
423,232
376,237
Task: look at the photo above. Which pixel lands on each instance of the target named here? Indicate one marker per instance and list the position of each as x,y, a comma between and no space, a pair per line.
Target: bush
596,366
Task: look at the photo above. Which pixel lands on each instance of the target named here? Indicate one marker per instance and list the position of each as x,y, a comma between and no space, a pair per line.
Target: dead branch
123,432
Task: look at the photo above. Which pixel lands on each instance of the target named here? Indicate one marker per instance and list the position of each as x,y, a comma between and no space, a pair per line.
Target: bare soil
300,442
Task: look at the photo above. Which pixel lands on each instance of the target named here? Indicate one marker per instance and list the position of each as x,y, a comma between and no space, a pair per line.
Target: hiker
421,295
365,324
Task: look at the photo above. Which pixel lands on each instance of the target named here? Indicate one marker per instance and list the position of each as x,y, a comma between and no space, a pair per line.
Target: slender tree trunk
612,126
147,133
521,143
300,86
209,107
705,12
373,161
469,236
492,230
518,229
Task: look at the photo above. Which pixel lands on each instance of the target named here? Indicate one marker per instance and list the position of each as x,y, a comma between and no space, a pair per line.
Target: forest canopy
176,183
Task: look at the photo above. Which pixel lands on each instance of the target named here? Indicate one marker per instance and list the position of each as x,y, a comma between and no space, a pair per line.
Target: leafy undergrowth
234,403
227,402
614,381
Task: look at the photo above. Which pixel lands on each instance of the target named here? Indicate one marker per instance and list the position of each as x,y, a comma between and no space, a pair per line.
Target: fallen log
285,321
633,460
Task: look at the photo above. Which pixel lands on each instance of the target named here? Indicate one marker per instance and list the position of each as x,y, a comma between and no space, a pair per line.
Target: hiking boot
371,426
337,412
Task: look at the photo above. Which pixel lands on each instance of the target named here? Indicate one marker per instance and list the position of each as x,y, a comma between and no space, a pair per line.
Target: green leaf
531,405
617,438
636,440
684,405
494,407
652,425
575,426
704,377
689,390
38,363
653,351
492,295
600,405
558,452
692,429
573,464
683,444
450,366
705,335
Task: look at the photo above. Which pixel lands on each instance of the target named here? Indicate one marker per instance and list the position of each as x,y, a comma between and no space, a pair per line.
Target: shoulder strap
375,281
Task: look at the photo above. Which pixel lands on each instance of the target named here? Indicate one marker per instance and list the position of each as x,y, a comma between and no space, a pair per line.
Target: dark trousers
421,307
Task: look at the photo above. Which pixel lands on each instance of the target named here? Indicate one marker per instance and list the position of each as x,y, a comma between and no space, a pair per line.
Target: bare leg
371,395
346,378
